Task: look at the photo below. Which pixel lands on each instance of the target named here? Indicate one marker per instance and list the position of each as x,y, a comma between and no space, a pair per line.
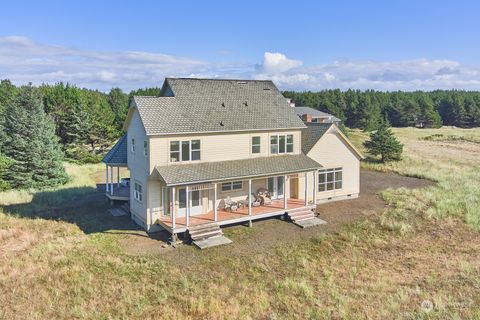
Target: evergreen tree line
42,126
366,109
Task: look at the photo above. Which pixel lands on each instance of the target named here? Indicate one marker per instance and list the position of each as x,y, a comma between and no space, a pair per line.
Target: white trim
138,195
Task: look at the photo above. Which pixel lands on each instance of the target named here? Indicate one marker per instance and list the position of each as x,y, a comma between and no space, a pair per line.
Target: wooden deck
119,193
227,217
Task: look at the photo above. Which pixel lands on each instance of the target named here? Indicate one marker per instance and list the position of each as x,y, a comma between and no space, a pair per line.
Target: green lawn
60,258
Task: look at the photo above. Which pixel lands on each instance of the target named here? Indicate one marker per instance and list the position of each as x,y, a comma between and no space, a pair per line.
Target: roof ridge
219,79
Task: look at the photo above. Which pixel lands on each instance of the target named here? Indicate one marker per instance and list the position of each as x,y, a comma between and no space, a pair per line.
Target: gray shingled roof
118,153
211,105
235,169
301,110
312,134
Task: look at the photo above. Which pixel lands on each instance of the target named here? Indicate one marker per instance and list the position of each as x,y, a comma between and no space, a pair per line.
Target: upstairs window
188,150
145,148
132,147
281,144
330,179
255,145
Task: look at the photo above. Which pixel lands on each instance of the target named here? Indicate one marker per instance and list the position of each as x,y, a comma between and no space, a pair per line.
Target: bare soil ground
270,232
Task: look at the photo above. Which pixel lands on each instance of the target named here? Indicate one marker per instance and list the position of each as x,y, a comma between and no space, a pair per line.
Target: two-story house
226,151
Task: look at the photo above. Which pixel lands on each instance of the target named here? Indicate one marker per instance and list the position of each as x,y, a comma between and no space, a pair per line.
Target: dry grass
420,259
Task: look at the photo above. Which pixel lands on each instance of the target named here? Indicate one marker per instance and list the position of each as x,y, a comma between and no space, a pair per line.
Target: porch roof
117,156
182,174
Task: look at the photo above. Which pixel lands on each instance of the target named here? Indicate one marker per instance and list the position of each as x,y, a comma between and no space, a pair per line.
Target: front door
195,202
294,187
275,186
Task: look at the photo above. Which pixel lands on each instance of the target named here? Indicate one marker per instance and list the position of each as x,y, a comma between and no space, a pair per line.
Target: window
255,144
137,194
145,148
330,179
174,151
184,150
133,145
281,144
230,186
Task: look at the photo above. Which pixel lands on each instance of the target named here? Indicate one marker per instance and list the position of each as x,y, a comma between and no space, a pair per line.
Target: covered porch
117,187
186,205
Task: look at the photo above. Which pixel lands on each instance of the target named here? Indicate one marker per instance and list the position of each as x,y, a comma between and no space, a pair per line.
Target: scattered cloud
23,60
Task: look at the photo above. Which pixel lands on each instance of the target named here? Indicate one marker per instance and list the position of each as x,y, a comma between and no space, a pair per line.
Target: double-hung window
230,186
330,179
255,145
137,194
132,146
281,144
145,148
188,150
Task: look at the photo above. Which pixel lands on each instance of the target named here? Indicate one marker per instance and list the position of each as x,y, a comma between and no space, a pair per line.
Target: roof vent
223,104
221,124
246,104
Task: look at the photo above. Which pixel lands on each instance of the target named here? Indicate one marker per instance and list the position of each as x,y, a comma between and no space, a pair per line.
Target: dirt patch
269,232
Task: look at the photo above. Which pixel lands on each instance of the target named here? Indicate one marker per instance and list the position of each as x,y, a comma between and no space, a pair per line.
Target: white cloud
274,63
23,60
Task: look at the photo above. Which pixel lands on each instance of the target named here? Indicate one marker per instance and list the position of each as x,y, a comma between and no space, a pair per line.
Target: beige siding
219,147
332,152
138,166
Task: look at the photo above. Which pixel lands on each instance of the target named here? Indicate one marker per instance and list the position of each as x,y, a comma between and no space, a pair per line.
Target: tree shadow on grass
84,206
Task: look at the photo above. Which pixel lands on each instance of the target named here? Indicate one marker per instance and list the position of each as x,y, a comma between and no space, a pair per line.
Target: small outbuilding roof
235,169
118,154
301,110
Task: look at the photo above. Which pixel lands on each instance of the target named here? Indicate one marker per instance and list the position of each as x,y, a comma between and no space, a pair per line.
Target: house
310,115
218,152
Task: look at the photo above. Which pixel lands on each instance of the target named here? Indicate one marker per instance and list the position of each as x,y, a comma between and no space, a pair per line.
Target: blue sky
312,45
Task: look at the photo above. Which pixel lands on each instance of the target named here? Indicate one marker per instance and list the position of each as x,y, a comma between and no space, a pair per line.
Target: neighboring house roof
300,110
315,131
235,169
312,134
211,105
118,153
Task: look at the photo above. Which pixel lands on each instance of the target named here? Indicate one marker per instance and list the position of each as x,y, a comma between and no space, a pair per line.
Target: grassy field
420,258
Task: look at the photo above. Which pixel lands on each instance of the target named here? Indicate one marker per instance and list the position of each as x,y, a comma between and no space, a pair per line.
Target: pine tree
32,144
384,143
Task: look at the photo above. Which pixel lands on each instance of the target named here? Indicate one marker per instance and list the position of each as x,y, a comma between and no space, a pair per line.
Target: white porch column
306,188
111,180
118,177
285,200
173,208
215,209
187,194
106,178
249,197
315,186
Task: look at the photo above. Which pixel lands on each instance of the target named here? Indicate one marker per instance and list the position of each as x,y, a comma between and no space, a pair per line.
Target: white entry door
195,202
275,186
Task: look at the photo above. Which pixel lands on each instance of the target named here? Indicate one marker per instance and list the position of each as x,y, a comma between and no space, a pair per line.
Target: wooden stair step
203,230
203,226
205,235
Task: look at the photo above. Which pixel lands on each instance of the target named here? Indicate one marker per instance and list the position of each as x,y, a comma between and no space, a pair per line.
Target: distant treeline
86,121
365,109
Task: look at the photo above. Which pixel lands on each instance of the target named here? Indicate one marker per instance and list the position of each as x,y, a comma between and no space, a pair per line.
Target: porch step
205,231
212,242
301,215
